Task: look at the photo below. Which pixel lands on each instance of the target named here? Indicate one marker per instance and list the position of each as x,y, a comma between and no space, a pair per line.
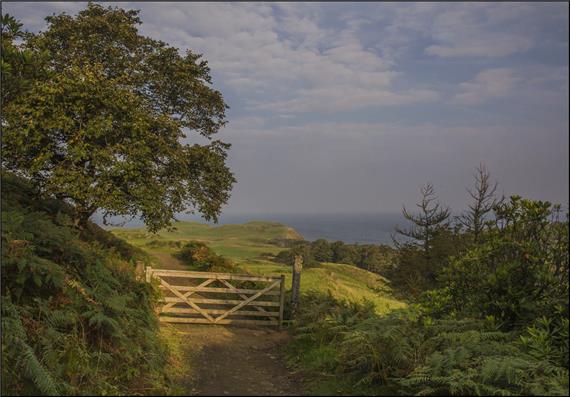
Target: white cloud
487,84
289,59
477,30
490,46
346,98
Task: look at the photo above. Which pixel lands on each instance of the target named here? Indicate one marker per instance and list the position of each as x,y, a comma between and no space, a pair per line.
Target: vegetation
251,242
484,200
93,118
409,352
75,320
435,237
198,256
252,248
374,258
520,270
491,317
428,241
94,114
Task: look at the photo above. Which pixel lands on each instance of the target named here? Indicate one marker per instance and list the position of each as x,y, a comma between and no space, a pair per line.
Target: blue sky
351,107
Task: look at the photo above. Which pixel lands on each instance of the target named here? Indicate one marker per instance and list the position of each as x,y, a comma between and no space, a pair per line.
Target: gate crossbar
192,295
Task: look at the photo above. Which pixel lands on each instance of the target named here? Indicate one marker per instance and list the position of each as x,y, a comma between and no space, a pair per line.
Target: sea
350,228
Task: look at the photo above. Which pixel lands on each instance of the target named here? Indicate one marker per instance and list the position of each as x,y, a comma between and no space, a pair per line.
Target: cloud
286,60
493,46
347,98
533,86
310,57
478,30
487,84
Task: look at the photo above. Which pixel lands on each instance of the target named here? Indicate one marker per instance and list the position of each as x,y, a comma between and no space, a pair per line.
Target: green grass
251,246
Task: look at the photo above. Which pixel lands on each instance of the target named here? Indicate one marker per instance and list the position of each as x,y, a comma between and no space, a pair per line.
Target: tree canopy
105,118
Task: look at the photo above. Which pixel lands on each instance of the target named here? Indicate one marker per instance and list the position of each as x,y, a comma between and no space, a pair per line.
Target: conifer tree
484,199
431,218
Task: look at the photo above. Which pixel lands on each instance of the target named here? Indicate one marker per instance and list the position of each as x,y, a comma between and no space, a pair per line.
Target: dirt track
235,361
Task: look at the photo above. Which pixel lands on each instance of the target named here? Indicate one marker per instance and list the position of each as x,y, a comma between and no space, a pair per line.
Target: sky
352,107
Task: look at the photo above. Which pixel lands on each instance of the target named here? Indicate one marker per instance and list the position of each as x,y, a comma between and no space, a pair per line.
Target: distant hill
253,245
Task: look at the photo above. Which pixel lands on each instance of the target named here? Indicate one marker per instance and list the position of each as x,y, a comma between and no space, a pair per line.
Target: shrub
520,271
201,257
304,251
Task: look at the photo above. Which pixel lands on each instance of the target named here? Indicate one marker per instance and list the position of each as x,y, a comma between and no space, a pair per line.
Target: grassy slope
75,319
252,244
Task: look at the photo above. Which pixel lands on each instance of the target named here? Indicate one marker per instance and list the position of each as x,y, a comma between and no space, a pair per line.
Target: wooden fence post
148,274
281,301
139,270
295,287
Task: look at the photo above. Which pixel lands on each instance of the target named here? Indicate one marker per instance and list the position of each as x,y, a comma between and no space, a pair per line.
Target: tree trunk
81,216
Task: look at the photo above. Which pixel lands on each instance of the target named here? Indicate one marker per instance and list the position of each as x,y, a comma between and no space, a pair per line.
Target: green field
252,245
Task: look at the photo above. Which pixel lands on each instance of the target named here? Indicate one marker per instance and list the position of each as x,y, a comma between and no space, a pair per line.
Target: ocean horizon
360,228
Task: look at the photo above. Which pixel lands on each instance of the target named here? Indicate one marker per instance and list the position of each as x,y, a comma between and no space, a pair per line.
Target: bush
304,251
520,271
200,257
374,258
164,243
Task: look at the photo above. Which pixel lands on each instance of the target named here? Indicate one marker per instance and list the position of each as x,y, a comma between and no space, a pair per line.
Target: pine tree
484,200
431,218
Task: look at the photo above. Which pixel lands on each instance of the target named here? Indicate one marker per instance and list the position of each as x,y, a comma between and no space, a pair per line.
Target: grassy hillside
252,245
75,320
239,242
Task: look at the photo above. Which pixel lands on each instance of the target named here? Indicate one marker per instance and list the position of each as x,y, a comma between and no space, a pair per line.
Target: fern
14,335
74,318
424,356
34,370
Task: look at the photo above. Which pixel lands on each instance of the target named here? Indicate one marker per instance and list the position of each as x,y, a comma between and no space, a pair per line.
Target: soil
167,261
233,361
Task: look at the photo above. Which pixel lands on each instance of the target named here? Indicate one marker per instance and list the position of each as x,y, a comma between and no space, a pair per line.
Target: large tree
102,122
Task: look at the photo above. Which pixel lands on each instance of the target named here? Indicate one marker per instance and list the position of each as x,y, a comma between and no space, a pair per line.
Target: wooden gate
219,298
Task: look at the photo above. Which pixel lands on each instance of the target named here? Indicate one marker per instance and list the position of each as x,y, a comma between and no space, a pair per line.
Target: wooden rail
194,298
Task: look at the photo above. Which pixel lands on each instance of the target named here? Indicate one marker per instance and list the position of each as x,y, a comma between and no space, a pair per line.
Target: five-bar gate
219,298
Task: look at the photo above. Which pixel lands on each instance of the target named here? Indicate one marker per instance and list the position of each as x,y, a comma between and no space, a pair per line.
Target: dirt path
232,361
167,261
214,360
